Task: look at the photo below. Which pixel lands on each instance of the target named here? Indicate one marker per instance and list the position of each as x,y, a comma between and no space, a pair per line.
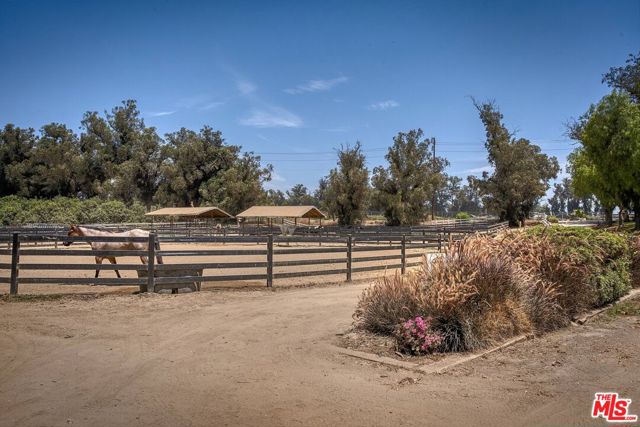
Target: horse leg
113,261
98,261
144,259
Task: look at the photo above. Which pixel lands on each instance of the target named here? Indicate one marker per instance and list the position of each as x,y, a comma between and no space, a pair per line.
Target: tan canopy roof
201,212
282,212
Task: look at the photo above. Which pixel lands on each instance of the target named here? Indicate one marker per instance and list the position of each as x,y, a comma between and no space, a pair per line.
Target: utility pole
433,201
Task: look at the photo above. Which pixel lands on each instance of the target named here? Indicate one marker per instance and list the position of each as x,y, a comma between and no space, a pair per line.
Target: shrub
634,243
415,336
64,210
552,219
577,214
600,261
482,290
474,296
388,302
463,215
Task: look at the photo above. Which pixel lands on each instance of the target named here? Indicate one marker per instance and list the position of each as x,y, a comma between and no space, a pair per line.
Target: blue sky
293,80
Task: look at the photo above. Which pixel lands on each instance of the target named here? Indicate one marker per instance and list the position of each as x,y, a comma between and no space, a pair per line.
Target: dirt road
260,358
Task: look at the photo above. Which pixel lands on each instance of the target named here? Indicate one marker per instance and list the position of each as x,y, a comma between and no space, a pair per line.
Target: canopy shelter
199,220
192,213
282,213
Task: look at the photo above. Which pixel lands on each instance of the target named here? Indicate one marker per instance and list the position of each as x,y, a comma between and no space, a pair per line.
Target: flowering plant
415,336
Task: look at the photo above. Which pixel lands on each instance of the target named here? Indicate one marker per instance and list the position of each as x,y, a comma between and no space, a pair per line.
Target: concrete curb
586,317
438,367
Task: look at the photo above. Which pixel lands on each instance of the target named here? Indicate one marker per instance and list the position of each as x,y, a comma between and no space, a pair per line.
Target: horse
77,231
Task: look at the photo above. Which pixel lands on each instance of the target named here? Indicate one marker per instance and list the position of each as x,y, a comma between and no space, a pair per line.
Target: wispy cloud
211,105
481,169
278,182
316,85
159,113
245,87
383,105
271,117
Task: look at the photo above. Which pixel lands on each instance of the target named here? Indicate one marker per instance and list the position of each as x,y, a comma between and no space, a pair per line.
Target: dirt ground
267,358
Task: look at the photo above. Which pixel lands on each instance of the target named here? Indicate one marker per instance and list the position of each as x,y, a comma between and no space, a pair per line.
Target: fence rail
346,255
205,230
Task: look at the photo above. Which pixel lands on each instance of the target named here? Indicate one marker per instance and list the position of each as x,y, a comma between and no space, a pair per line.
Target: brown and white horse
112,246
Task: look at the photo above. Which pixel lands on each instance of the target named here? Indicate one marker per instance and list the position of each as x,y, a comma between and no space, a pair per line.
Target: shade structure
200,212
282,212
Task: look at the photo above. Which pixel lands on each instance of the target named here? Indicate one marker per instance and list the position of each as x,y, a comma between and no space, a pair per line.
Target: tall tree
191,160
521,172
16,145
348,185
299,195
404,189
626,78
608,162
239,186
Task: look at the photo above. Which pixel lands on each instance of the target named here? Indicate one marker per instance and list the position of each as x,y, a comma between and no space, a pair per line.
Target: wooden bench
193,286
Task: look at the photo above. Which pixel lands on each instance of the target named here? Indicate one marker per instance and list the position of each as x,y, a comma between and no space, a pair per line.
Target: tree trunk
608,215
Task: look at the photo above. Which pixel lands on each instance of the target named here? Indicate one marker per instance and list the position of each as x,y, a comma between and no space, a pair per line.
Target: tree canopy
521,172
116,156
404,189
346,193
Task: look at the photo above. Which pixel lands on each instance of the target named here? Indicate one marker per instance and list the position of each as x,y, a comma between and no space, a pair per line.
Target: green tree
191,161
50,169
626,78
299,195
348,185
16,145
521,172
274,197
404,189
608,162
239,186
99,155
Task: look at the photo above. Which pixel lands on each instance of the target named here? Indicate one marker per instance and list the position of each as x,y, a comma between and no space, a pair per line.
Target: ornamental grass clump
474,297
388,302
483,290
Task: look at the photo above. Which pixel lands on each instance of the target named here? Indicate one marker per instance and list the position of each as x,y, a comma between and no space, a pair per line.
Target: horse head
74,231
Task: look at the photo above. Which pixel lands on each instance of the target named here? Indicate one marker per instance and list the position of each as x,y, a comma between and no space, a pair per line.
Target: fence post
270,261
349,256
439,242
403,253
15,258
151,263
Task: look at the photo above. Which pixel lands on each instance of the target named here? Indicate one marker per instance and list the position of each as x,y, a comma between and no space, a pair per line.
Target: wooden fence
454,229
346,254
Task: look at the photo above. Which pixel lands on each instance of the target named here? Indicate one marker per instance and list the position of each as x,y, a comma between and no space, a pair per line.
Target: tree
16,145
99,154
404,189
239,186
608,162
348,187
50,169
275,198
322,195
521,173
191,160
627,78
299,195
